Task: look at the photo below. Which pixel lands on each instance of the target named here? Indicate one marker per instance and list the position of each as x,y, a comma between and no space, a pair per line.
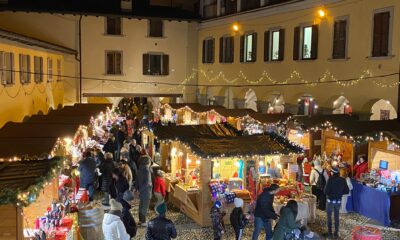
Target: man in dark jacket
127,218
335,188
144,185
118,185
119,138
264,212
106,168
161,228
111,145
134,155
87,173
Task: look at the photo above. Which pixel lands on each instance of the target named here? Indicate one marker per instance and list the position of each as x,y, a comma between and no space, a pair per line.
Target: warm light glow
173,151
261,163
216,164
321,13
237,164
180,153
198,162
387,102
67,140
279,166
334,163
316,106
188,160
235,27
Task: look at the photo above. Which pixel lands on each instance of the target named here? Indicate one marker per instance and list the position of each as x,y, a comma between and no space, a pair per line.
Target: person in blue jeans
335,188
264,212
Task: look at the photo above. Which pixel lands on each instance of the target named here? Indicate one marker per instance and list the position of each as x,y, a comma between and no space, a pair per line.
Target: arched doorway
383,110
342,106
250,100
307,105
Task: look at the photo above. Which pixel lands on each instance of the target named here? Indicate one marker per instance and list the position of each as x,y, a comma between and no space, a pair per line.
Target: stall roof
270,118
81,109
37,130
197,107
238,112
189,131
23,148
83,120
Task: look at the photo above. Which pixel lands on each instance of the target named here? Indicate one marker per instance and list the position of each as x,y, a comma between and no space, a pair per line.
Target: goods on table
366,233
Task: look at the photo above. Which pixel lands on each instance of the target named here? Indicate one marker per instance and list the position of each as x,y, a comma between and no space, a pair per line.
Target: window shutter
28,74
314,42
266,46
212,50
231,49
296,43
336,33
118,24
146,64
254,48
12,68
118,63
165,62
21,69
281,44
242,48
385,34
221,49
377,35
204,52
339,39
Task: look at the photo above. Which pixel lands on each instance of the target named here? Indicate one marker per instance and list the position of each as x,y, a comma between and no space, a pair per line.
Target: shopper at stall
273,170
217,220
335,188
160,227
344,174
87,173
159,187
137,137
264,212
126,171
127,218
318,179
144,186
360,168
106,169
287,222
113,227
238,219
118,185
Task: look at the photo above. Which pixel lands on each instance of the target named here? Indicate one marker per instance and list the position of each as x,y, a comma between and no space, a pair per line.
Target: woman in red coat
360,167
159,187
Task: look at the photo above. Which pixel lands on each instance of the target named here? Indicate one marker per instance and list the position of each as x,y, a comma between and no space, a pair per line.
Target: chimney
126,5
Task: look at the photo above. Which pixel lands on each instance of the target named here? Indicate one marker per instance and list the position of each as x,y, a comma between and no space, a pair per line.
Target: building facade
303,57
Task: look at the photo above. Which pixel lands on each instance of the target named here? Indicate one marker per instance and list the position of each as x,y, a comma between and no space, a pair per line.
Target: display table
369,202
302,213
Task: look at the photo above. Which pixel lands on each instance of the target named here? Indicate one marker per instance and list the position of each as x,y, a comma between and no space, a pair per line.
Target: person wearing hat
113,227
217,219
264,212
335,188
160,228
237,218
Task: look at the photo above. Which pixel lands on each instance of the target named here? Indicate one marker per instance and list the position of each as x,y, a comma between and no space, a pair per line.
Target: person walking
238,219
287,221
113,227
106,169
87,173
144,186
335,188
160,227
134,155
318,179
126,171
111,145
217,220
159,187
118,185
264,212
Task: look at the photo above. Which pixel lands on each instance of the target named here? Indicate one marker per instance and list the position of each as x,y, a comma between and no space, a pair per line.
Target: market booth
190,114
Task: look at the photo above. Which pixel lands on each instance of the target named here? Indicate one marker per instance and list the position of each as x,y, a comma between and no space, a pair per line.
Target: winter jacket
133,160
127,219
217,221
314,175
118,187
143,182
110,146
160,228
360,168
286,224
238,221
113,228
120,138
264,208
99,158
336,187
159,186
106,168
87,168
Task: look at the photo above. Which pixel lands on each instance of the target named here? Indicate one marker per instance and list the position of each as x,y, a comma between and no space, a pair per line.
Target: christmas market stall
235,116
190,114
256,123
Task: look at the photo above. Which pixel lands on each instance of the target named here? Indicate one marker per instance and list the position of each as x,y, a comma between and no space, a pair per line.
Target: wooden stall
190,114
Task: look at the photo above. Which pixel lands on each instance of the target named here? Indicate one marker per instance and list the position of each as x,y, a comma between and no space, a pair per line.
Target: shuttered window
113,63
7,68
59,70
38,69
49,69
208,50
113,26
155,28
380,47
155,64
305,43
226,47
274,45
24,68
339,39
248,47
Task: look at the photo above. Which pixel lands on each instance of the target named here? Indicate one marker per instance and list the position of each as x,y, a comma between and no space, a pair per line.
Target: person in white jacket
316,172
344,174
113,227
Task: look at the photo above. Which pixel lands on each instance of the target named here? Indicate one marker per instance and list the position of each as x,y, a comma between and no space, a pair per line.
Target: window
305,42
38,69
228,7
381,32
339,39
249,4
7,65
155,64
208,50
274,45
155,28
113,26
113,63
49,70
24,68
59,70
248,47
226,46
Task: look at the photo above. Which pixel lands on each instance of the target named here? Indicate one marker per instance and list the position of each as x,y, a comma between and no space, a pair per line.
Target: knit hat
238,202
161,208
217,204
115,206
335,170
273,187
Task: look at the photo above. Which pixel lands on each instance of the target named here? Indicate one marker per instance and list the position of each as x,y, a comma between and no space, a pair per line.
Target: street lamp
235,27
321,13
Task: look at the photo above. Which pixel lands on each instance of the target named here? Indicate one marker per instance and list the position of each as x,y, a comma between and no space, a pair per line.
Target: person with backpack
318,179
238,219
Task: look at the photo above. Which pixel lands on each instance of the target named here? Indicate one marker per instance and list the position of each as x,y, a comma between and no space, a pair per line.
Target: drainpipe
80,58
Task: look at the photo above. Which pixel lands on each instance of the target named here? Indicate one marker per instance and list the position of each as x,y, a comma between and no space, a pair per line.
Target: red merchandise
359,169
159,186
366,233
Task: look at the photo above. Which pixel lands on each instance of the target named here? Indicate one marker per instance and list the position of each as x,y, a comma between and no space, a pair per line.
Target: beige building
292,56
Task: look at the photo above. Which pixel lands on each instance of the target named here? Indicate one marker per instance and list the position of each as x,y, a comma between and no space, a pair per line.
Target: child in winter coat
217,220
238,220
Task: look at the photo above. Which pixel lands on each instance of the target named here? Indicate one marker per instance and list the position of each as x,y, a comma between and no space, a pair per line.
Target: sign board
317,142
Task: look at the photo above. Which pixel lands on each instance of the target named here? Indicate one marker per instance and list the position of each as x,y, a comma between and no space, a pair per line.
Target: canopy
196,107
270,118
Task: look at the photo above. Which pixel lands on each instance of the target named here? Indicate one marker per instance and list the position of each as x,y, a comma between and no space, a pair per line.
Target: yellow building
296,53
31,76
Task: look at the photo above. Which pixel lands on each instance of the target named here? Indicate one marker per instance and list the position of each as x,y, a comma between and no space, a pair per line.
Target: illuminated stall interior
190,114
